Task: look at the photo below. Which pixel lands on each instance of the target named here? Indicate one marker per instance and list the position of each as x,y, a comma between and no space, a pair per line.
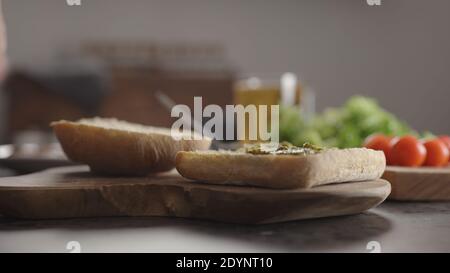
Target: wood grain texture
73,192
418,184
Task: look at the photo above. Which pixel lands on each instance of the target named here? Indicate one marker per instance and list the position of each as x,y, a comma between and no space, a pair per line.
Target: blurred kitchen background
109,57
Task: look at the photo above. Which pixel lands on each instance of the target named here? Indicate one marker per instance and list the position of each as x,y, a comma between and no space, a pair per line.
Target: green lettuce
342,127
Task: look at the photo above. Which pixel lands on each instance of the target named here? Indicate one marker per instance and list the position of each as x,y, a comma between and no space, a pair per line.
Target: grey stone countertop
391,227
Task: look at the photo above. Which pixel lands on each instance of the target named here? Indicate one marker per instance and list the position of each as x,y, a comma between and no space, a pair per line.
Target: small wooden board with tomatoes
418,170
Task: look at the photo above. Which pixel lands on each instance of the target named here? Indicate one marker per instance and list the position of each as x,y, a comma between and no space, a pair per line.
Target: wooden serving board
418,184
71,192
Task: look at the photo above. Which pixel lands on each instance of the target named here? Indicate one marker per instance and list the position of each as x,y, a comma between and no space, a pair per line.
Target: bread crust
116,151
282,171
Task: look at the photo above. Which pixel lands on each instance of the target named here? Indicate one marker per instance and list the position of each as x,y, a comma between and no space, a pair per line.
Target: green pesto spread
284,148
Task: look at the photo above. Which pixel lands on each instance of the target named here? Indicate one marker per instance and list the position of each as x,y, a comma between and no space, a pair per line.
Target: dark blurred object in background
133,93
127,77
139,69
32,104
31,157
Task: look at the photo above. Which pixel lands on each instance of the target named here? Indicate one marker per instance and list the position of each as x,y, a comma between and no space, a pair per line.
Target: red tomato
446,140
437,153
381,142
408,151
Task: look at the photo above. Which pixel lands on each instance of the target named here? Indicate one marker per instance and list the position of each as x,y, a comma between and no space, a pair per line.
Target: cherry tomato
446,140
408,151
437,153
381,142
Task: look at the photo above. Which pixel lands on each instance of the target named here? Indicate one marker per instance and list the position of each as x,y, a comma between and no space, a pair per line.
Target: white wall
398,53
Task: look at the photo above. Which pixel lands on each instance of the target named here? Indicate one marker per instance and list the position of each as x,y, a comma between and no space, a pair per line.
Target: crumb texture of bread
282,171
111,146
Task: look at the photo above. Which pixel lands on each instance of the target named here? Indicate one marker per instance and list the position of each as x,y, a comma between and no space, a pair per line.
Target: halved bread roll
110,146
282,171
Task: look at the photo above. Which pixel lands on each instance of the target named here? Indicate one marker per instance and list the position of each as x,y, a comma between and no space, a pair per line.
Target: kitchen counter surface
391,227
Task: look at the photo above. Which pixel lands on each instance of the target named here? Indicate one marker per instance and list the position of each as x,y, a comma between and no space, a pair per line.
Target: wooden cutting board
418,184
70,192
